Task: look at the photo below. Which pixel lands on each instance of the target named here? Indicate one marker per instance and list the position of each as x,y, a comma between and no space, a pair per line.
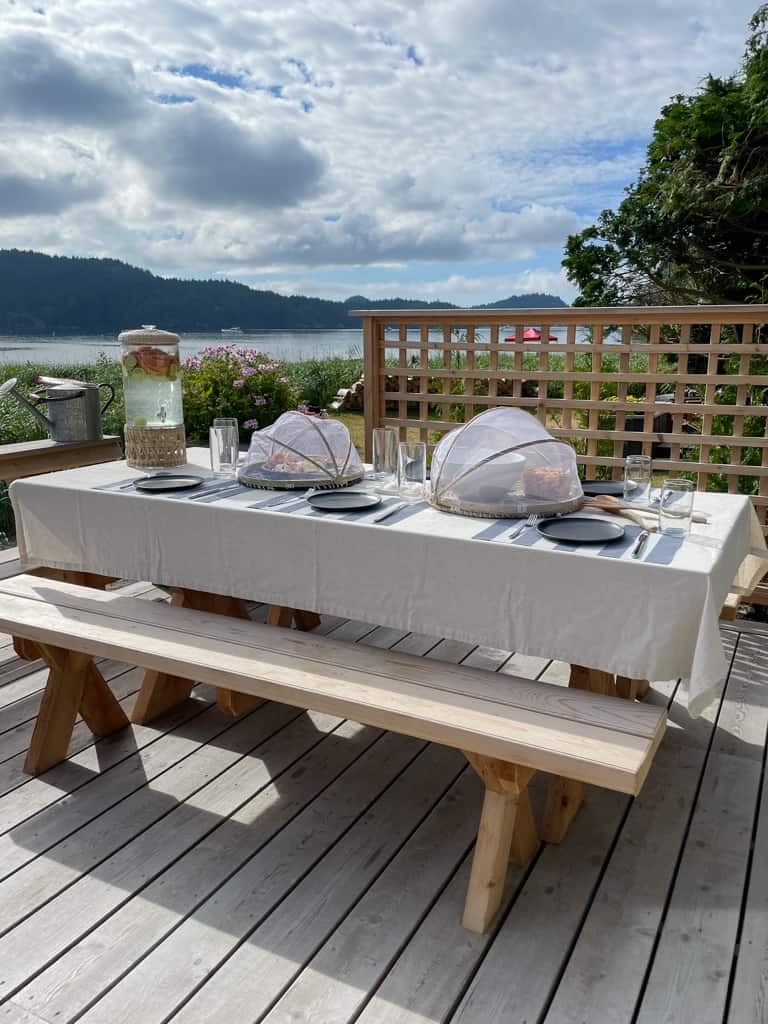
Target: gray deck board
287,867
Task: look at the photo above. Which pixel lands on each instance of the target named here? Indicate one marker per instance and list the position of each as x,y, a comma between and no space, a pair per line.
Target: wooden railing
687,385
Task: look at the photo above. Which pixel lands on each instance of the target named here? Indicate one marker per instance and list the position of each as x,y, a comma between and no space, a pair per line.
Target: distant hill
533,300
42,294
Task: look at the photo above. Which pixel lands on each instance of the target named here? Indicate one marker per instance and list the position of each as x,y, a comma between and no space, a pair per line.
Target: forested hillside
42,294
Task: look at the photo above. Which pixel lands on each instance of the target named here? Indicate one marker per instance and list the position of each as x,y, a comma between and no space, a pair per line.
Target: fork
532,520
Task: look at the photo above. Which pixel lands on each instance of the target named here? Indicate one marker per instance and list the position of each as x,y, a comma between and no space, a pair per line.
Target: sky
433,149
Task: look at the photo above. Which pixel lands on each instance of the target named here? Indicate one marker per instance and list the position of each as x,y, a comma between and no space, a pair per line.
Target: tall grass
318,380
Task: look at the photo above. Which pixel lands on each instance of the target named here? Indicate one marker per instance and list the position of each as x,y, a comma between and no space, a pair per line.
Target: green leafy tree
694,228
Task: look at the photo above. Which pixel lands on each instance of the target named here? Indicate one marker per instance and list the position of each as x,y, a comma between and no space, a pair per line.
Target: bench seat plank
591,738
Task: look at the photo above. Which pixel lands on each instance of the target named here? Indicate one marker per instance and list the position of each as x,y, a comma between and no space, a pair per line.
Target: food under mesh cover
301,451
504,463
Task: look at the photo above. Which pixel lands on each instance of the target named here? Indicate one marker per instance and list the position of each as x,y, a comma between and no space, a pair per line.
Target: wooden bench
507,727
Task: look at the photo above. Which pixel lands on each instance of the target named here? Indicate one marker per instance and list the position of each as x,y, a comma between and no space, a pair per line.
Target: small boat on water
231,330
530,334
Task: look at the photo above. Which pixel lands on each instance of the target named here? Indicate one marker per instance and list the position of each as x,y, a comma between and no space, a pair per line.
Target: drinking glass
637,478
676,507
411,468
384,453
224,447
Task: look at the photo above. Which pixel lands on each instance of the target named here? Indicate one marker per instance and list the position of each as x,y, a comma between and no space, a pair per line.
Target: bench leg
507,832
564,798
99,708
74,686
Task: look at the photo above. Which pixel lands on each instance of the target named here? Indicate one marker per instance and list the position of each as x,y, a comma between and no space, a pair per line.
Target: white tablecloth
419,570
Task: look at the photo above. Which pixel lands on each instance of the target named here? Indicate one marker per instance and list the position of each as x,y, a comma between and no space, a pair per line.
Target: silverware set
639,544
532,520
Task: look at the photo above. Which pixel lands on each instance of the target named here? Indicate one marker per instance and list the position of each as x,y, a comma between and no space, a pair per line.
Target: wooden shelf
32,457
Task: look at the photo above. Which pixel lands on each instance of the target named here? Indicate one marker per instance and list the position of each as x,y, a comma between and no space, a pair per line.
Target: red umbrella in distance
530,334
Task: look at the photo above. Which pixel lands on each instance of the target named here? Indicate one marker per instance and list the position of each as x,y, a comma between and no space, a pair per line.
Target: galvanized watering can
74,410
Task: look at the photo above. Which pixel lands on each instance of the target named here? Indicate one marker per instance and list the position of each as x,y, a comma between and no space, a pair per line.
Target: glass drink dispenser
154,415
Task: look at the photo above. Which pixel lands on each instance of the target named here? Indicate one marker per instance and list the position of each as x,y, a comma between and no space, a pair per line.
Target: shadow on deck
287,866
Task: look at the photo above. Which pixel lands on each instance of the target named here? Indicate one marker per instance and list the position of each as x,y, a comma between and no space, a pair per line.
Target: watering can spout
9,388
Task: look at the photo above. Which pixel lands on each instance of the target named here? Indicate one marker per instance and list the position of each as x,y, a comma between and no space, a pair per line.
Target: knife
389,511
639,544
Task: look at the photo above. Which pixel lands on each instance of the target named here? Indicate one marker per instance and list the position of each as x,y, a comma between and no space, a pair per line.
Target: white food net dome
504,463
301,451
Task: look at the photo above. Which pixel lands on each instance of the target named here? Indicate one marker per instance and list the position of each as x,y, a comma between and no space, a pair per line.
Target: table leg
305,620
80,579
74,686
631,689
279,615
566,796
160,690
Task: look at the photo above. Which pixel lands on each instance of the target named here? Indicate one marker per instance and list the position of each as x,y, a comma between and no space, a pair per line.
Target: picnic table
420,570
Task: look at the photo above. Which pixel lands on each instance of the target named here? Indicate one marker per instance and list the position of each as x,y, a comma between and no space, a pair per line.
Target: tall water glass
411,468
676,507
384,453
637,478
224,447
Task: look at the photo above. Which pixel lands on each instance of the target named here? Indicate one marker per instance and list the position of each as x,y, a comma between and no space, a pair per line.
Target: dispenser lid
148,334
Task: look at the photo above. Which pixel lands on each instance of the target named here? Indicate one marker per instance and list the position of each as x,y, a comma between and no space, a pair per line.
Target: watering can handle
111,398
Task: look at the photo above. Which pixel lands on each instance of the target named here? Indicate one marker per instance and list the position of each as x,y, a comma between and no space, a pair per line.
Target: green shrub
317,380
238,382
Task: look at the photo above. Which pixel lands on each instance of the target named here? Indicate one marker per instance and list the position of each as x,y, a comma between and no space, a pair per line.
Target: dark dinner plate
594,487
343,501
581,530
167,483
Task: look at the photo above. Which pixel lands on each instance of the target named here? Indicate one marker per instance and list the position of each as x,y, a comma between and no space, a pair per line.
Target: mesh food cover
504,463
301,451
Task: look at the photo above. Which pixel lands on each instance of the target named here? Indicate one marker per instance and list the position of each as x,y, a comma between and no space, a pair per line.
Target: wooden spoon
607,503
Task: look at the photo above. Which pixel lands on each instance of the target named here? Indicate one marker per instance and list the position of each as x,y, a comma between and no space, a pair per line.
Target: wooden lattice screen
687,385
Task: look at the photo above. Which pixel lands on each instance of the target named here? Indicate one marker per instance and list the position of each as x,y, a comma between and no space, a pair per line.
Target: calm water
289,345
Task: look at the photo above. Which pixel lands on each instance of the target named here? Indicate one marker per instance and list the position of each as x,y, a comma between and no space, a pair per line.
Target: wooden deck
292,867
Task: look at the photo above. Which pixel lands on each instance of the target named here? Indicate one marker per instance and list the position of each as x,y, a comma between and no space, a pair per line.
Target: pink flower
249,371
238,383
251,425
282,380
259,400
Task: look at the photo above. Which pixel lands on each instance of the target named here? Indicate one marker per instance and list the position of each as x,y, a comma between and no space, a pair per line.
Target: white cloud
440,131
458,289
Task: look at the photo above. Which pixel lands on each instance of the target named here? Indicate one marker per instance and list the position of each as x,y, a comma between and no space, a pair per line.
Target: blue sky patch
208,74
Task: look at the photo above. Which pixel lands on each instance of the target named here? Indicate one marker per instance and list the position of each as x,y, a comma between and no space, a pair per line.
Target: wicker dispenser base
155,447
